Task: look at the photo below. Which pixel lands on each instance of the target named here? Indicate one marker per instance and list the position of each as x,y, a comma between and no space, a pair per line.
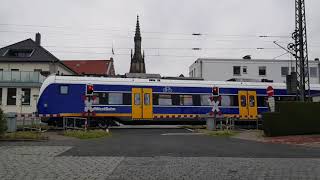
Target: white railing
21,76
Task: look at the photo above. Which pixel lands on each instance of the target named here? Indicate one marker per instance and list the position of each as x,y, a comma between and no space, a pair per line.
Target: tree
3,125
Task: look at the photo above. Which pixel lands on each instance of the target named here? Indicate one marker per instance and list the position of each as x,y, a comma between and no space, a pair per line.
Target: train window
205,100
186,100
155,99
147,99
225,101
196,100
284,98
64,89
229,100
101,98
243,99
251,101
175,99
165,99
262,101
137,99
115,98
127,99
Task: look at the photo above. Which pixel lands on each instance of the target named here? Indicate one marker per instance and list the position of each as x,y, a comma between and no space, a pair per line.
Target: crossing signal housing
89,89
215,91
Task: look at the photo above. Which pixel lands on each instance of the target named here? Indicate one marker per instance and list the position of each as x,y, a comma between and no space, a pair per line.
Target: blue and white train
130,99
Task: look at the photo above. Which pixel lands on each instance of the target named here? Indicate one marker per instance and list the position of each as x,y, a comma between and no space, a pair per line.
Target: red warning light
89,89
215,91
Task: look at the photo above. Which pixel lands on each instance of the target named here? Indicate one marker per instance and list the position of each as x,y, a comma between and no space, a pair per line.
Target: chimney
38,39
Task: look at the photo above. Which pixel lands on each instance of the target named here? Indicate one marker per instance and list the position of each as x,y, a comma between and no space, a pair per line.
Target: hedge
292,118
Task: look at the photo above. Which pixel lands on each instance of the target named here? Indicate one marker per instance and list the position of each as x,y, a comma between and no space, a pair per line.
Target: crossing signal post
89,98
215,101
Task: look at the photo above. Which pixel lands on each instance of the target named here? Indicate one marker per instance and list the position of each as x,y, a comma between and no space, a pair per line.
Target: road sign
270,91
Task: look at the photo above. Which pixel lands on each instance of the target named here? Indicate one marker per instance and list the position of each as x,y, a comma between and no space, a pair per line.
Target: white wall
17,108
28,66
222,70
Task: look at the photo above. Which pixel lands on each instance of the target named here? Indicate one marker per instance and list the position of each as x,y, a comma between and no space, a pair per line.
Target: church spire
137,60
138,34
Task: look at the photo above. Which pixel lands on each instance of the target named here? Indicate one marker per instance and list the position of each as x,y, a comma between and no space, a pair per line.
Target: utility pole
301,52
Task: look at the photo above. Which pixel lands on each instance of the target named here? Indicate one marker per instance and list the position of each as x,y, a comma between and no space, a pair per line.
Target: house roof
101,67
39,54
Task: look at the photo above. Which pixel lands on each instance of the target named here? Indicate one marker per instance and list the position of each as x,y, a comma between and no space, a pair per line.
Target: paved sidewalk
42,162
301,140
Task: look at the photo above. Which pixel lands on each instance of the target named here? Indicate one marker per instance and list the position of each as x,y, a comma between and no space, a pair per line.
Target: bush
3,124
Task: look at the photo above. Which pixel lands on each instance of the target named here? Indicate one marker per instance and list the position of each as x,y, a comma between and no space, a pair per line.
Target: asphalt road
182,143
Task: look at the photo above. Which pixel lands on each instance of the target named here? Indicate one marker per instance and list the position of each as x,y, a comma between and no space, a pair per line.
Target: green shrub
3,124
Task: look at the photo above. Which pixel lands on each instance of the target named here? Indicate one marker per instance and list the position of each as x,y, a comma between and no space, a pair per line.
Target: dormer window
19,53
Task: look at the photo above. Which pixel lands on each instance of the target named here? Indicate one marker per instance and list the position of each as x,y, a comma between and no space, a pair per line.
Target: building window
245,70
0,96
37,70
284,71
64,89
262,70
14,69
293,69
313,72
26,92
19,53
236,70
11,96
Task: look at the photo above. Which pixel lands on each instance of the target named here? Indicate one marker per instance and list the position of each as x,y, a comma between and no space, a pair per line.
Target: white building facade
23,67
249,69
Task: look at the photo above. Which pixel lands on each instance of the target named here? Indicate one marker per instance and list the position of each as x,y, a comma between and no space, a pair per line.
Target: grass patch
90,134
24,135
223,133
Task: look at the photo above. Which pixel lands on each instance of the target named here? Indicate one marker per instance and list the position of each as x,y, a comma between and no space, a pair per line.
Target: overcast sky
87,29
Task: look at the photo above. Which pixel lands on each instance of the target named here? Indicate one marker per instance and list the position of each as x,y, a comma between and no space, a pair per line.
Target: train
155,100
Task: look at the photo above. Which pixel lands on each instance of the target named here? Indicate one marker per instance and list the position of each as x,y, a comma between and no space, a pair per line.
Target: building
23,67
137,59
91,67
249,69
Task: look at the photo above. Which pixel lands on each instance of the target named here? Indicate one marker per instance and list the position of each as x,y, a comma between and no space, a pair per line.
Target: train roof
160,82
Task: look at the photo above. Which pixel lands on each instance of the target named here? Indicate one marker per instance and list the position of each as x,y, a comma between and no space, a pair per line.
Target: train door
142,103
248,104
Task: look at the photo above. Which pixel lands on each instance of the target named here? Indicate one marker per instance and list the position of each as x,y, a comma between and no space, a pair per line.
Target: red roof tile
90,66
